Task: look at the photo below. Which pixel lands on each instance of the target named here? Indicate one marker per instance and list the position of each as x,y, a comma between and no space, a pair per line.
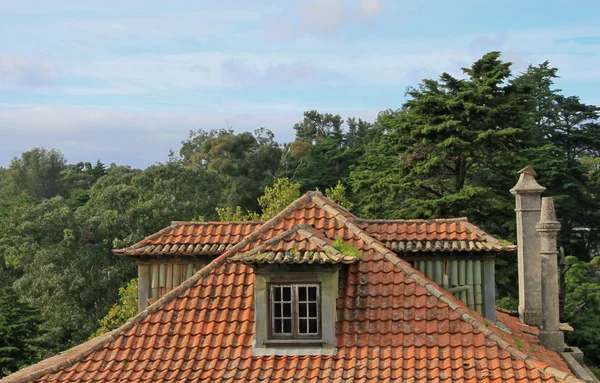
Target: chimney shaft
550,335
528,201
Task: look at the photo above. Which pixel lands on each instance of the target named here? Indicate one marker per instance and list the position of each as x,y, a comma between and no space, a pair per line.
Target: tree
61,257
245,162
19,333
120,312
275,198
36,173
338,195
582,307
278,197
77,179
315,127
434,154
568,138
324,149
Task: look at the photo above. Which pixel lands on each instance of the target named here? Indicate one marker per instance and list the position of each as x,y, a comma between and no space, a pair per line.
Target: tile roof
402,236
393,324
302,244
435,235
192,238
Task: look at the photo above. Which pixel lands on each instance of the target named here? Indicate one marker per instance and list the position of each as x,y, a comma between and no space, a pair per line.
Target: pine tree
19,332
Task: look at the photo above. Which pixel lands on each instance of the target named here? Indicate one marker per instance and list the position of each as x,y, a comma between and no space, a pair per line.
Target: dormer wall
469,277
158,276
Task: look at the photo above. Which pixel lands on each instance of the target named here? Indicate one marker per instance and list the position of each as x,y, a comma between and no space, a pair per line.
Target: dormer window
295,311
296,277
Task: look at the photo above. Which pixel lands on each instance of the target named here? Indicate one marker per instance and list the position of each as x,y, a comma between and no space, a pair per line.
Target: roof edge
488,237
142,242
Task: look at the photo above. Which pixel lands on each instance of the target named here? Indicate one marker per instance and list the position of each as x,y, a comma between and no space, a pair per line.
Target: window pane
287,310
277,324
302,326
277,310
312,293
312,326
287,326
312,309
287,293
276,293
302,311
302,293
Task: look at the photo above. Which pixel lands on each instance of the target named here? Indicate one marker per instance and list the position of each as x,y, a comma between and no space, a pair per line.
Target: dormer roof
302,244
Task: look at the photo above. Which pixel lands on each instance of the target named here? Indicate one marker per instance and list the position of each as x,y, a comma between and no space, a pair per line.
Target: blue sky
125,81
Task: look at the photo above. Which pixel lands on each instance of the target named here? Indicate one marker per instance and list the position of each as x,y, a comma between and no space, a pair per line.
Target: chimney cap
548,221
527,183
528,170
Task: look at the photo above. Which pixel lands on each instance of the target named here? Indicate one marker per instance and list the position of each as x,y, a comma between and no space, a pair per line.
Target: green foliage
278,197
245,163
346,248
316,126
325,148
518,343
120,312
229,214
508,303
582,308
431,154
338,195
19,333
275,198
58,255
36,173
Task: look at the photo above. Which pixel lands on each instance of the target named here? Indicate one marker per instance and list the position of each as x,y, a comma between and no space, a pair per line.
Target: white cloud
239,72
22,73
369,8
323,17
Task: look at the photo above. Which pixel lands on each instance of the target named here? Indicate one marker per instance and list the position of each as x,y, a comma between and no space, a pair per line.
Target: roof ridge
452,302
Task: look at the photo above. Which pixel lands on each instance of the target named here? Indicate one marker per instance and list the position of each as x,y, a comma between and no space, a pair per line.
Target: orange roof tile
402,236
302,244
393,324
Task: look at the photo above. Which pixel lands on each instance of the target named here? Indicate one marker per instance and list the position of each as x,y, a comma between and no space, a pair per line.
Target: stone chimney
528,202
550,335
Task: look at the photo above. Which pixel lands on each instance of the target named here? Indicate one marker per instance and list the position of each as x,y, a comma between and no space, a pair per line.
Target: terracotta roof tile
402,236
302,244
393,324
